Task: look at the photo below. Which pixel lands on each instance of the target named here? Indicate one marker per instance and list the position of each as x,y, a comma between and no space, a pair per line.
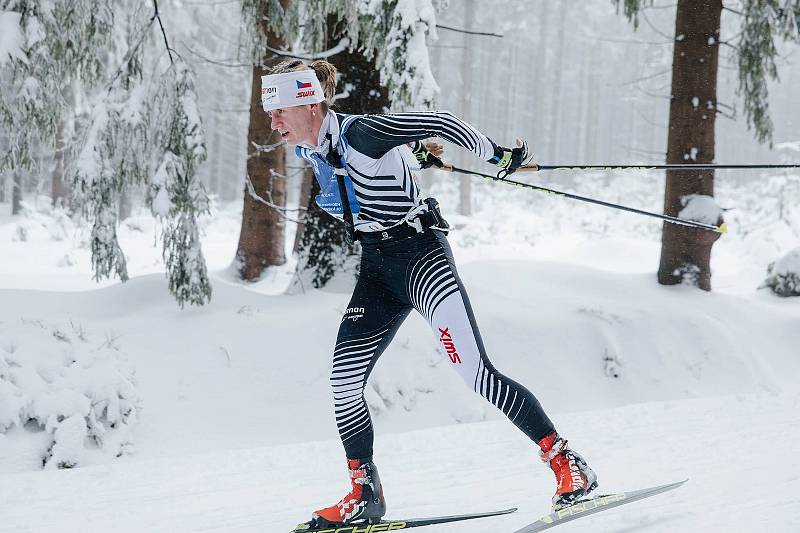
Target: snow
11,37
468,467
789,263
232,399
59,379
700,208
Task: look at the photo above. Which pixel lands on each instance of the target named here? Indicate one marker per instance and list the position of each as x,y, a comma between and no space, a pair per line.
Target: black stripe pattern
430,282
502,395
352,359
378,159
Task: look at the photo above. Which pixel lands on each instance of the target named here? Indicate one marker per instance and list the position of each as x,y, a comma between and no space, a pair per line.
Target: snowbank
72,386
252,370
783,275
450,470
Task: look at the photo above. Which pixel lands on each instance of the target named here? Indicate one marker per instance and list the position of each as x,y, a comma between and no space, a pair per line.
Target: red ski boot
364,502
574,477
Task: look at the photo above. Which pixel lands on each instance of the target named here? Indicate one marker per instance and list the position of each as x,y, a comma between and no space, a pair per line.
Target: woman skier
406,264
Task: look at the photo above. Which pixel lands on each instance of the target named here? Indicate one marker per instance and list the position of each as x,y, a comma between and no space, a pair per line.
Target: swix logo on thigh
449,346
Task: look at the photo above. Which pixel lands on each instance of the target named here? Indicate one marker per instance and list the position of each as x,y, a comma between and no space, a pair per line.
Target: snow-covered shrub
783,275
58,379
40,222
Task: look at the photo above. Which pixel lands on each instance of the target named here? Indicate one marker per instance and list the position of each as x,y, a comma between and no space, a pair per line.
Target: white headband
290,89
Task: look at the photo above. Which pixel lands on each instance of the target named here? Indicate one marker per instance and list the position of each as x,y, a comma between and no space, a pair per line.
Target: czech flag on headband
289,89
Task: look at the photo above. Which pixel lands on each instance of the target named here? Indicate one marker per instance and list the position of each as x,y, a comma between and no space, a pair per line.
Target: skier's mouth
284,134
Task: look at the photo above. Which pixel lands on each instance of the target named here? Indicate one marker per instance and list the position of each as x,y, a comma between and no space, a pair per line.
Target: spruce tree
685,252
135,116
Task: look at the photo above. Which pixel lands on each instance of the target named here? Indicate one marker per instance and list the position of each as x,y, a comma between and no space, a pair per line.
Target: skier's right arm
374,135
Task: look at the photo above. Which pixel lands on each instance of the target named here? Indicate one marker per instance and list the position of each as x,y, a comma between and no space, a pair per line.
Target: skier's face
296,124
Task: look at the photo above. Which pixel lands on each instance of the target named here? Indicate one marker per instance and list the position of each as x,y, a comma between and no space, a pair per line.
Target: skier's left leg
436,291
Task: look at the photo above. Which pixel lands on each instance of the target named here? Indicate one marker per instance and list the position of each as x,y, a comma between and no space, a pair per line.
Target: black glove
424,156
510,159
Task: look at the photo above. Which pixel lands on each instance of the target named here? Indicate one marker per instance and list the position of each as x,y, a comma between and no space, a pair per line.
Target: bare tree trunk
539,81
125,206
686,252
305,194
262,238
467,66
60,190
554,131
590,133
16,193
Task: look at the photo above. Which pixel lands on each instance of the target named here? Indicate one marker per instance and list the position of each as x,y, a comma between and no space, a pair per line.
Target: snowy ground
735,450
651,383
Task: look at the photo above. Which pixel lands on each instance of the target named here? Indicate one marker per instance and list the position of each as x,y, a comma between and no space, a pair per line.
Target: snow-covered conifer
783,275
175,193
101,66
403,54
396,32
61,46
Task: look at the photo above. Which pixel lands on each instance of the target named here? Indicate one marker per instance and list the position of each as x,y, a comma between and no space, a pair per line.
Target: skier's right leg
368,326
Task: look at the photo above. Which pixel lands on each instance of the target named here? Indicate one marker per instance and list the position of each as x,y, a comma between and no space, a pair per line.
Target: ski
595,505
398,525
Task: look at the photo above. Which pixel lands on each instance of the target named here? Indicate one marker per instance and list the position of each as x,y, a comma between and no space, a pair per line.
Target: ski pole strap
723,228
335,161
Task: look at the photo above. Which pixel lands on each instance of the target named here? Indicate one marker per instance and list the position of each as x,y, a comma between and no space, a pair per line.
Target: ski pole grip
529,168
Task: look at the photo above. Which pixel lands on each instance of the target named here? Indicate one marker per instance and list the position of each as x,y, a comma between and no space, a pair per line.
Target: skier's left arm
374,135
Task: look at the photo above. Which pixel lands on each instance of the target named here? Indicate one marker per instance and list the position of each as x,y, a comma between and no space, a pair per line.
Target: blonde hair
325,72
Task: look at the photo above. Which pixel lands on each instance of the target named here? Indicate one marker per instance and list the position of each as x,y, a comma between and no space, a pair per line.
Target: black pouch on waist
434,215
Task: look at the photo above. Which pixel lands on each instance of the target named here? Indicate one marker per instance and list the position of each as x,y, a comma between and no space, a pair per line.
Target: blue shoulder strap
332,197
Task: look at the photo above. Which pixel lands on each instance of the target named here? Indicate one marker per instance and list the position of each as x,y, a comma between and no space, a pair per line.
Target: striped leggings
396,277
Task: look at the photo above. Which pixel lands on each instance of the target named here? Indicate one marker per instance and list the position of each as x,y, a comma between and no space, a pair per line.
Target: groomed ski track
739,452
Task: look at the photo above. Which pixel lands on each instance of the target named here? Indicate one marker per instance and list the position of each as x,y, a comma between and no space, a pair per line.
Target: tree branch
726,8
157,15
643,78
341,46
470,32
164,33
214,61
251,191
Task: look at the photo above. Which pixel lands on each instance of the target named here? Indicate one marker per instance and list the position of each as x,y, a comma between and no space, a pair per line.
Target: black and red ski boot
574,477
364,503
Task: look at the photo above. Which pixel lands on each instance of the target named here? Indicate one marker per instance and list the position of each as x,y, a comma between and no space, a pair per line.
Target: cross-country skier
406,264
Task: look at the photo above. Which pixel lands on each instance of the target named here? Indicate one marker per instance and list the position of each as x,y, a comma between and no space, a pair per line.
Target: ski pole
723,228
536,168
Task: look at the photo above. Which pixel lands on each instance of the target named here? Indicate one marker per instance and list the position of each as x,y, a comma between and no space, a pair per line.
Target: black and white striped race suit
398,275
